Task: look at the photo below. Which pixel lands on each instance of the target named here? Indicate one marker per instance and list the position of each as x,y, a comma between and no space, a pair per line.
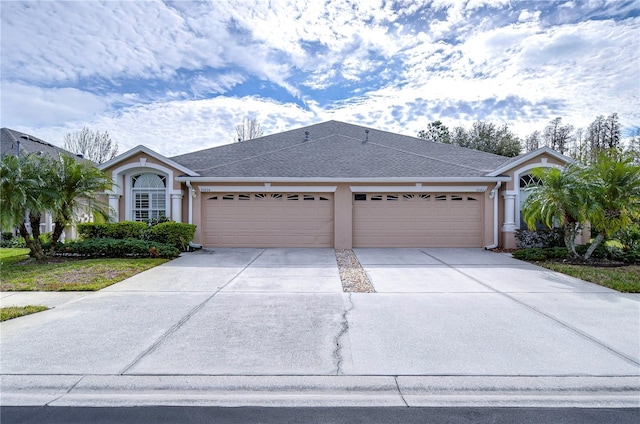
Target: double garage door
307,220
417,220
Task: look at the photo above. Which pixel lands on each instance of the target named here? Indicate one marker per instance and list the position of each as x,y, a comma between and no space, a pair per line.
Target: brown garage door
417,220
268,220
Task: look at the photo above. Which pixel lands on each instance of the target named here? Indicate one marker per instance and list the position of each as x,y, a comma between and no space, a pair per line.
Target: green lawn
18,311
625,279
65,274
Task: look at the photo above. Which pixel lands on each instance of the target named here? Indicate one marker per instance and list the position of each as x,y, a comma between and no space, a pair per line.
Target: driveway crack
344,328
184,319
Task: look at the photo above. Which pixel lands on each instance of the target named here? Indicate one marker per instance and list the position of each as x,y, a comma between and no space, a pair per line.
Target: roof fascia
528,157
147,151
344,180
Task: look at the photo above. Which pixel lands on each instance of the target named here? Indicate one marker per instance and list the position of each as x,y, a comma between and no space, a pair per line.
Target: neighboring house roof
29,144
339,150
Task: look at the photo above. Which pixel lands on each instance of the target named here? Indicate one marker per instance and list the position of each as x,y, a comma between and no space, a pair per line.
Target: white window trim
123,175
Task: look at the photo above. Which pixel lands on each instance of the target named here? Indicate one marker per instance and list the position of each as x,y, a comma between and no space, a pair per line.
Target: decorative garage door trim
438,219
279,219
267,189
418,188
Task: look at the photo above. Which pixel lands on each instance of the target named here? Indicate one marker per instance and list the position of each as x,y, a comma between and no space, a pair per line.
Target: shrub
540,238
177,234
556,252
18,243
113,230
631,256
601,252
629,236
5,239
530,254
116,248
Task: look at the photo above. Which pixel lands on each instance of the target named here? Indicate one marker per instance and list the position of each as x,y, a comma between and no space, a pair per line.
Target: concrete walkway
273,327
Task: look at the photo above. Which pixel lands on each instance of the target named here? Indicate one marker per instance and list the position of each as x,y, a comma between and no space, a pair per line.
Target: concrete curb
308,391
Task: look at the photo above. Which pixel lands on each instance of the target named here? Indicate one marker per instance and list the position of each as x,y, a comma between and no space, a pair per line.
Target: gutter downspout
494,196
192,193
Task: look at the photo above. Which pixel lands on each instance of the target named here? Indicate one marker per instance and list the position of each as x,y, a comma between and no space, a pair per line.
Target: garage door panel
268,220
418,220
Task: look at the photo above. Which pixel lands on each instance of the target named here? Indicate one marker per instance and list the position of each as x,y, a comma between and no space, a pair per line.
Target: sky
178,76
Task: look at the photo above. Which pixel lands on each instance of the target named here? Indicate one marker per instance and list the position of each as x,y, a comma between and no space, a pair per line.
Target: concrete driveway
441,321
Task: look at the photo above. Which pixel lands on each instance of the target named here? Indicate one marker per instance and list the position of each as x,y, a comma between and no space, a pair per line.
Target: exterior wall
343,202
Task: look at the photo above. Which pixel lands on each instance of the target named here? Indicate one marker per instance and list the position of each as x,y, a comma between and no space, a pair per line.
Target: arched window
149,192
526,180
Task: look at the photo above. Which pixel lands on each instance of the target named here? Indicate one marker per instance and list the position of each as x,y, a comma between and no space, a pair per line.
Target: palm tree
77,184
23,193
615,197
561,199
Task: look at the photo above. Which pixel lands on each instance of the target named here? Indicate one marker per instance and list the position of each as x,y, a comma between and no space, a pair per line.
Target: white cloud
35,106
453,58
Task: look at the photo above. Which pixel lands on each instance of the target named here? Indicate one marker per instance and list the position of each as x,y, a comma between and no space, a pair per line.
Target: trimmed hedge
177,234
116,248
112,230
630,256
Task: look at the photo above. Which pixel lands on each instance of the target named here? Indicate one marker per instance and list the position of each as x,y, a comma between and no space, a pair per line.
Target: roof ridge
429,157
268,153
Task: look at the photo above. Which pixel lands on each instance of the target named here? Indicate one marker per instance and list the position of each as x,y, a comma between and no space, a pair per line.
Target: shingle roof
338,150
28,144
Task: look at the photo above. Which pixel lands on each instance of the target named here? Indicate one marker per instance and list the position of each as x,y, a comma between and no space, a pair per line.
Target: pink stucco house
330,184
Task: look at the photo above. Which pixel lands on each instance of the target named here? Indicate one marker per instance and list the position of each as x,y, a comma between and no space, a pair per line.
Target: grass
19,273
624,279
18,311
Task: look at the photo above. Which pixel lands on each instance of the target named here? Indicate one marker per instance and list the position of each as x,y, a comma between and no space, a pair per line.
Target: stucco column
114,206
176,207
509,211
343,218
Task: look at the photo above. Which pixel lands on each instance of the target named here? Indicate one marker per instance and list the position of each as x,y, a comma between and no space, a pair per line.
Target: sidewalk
50,299
328,391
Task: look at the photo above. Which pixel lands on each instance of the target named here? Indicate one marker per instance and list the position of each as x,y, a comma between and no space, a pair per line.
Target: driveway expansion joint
184,319
395,378
544,314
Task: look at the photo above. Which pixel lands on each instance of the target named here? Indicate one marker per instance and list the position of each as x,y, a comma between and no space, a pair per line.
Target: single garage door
417,220
268,220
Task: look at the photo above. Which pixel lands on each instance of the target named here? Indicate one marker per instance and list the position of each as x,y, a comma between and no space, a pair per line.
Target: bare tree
249,129
558,136
604,134
95,146
532,142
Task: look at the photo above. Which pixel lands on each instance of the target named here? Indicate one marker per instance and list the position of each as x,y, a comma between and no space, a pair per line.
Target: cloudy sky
178,76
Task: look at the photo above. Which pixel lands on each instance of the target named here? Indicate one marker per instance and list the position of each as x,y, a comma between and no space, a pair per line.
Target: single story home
331,184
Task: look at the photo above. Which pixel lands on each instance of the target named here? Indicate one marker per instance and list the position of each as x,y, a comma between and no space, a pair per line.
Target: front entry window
526,181
149,196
